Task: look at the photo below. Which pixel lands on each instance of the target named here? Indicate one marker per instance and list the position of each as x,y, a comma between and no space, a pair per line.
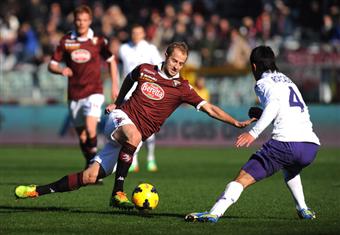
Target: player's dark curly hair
182,46
264,59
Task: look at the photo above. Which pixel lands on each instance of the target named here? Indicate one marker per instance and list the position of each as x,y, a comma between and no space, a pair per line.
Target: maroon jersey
83,57
156,98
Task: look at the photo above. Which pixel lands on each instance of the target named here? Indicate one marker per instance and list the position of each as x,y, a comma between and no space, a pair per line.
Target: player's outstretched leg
65,184
294,185
227,198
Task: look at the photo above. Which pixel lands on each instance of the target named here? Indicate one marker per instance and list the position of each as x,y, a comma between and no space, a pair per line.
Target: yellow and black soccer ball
145,197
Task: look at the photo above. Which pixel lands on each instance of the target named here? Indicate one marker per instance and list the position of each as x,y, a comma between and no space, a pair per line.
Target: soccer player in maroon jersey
82,50
159,92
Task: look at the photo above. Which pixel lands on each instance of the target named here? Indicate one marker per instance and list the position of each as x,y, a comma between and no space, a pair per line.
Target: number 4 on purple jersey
294,100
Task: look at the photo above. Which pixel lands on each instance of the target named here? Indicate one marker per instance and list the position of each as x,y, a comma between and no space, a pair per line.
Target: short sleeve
190,96
266,92
59,52
134,75
104,50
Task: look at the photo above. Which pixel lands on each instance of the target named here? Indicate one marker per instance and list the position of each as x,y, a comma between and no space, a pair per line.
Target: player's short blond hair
83,9
182,46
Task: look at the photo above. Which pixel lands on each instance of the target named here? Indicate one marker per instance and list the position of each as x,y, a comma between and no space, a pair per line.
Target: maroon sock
123,165
67,183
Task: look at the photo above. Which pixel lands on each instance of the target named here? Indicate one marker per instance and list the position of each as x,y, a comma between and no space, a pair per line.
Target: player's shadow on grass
19,209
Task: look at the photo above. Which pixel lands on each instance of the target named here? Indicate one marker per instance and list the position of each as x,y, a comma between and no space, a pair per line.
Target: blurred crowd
220,31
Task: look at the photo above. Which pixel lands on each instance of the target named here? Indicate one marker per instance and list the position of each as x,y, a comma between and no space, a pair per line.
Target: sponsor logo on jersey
148,77
80,56
70,41
149,71
72,46
152,91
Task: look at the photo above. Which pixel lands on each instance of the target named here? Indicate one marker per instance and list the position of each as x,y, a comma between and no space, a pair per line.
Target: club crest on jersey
80,56
176,83
152,91
95,40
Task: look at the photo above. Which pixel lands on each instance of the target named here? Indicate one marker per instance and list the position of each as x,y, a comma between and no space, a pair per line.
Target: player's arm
126,86
268,115
217,113
114,78
54,65
55,68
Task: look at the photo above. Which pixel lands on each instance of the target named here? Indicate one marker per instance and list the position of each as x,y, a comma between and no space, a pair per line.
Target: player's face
137,34
174,62
82,23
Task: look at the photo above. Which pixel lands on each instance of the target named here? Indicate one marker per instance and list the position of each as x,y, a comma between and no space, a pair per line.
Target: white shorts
89,106
108,156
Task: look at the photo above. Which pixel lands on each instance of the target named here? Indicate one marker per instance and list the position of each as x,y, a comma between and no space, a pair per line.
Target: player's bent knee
245,179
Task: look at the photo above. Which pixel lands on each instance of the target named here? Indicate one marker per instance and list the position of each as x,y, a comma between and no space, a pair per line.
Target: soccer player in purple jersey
160,90
292,147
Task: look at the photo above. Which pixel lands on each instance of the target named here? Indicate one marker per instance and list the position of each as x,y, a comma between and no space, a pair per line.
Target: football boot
201,217
307,214
29,191
121,201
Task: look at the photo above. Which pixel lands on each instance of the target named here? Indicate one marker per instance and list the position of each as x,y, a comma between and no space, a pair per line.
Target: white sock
230,195
150,146
295,187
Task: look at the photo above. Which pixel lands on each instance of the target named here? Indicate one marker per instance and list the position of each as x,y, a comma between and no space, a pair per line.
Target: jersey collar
163,75
90,35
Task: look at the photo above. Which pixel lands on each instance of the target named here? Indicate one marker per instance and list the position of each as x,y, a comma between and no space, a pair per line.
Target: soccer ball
145,197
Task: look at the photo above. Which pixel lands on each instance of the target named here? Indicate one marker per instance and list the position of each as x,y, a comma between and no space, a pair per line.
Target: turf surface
188,181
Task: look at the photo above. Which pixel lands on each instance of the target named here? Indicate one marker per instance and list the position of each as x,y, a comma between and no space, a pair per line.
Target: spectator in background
164,33
209,45
81,50
248,30
9,26
239,50
115,23
201,89
132,54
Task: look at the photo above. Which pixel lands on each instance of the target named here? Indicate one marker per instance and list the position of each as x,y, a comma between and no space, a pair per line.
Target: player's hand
67,72
244,123
245,139
109,108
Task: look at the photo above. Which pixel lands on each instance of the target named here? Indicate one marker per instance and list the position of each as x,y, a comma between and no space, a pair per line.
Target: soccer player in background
160,90
293,144
81,51
133,53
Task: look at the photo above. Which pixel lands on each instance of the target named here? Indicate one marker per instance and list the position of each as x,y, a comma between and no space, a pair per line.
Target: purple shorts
276,155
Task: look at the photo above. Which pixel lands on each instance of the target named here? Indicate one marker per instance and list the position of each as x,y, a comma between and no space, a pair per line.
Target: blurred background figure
81,50
201,89
133,53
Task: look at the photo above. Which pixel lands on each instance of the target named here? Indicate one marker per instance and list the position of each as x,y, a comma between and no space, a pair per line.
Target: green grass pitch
188,180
